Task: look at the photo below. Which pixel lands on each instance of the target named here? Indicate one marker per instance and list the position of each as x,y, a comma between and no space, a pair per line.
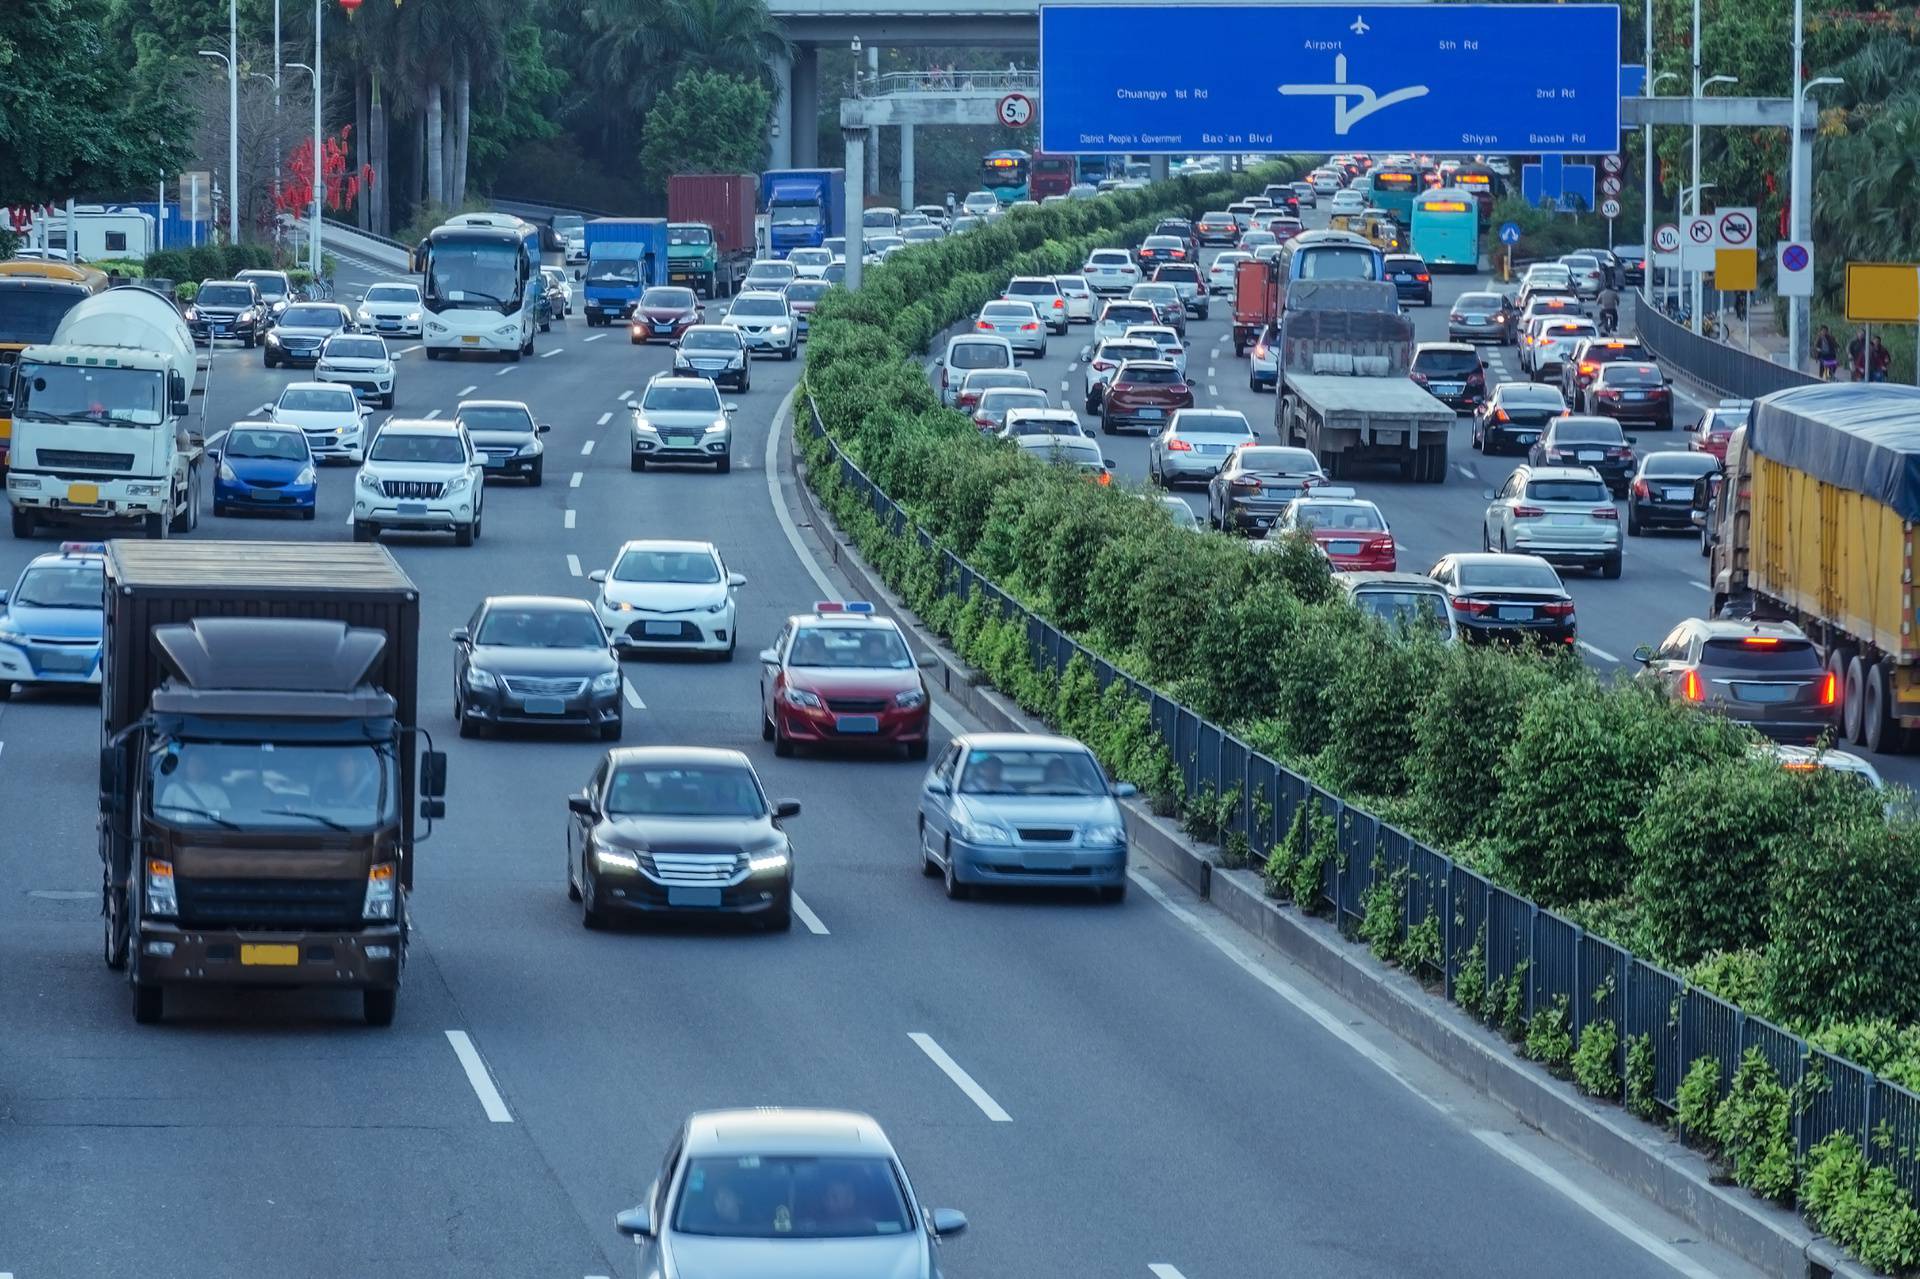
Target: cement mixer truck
103,432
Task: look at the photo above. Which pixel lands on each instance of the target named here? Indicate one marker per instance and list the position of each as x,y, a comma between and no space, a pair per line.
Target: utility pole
319,178
233,121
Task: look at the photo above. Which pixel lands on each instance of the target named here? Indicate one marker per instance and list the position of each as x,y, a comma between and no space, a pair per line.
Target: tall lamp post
1646,217
1799,193
1700,88
315,81
233,139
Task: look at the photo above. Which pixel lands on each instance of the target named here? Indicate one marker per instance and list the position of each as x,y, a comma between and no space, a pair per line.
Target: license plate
1473,319
708,897
1679,495
488,460
394,324
682,441
1389,437
1403,278
1766,692
1047,861
1569,521
669,629
265,495
1590,457
858,723
546,706
66,663
1152,414
83,494
255,954
1516,615
1447,388
1634,395
1345,548
470,340
663,328
413,508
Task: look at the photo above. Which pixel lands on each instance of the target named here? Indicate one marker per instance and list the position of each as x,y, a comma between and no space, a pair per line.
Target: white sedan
331,416
1079,296
1220,275
670,596
811,264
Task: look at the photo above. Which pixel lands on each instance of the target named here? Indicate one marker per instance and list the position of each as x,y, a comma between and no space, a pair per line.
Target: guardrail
1517,940
334,224
1727,369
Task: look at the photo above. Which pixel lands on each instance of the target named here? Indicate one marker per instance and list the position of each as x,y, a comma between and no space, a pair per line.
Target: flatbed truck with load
1814,523
1343,389
260,765
103,431
710,230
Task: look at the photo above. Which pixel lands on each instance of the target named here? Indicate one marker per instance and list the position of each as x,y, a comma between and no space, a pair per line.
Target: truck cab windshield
272,785
613,271
689,235
77,393
807,214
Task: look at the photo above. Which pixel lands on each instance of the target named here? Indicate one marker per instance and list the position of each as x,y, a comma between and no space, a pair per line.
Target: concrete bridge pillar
780,152
873,134
856,161
806,107
1161,168
906,167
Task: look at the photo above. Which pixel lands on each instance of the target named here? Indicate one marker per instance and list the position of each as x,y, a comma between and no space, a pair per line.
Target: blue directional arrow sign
1509,233
1317,77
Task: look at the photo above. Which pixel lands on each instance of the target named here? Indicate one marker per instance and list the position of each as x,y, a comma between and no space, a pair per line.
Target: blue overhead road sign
1371,77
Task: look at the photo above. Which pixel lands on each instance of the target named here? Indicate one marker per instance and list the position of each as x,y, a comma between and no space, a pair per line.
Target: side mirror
731,408
1488,494
433,774
433,810
598,575
735,580
1633,439
542,429
786,808
1643,654
938,786
635,1223
581,804
927,661
769,657
460,635
946,1221
1666,381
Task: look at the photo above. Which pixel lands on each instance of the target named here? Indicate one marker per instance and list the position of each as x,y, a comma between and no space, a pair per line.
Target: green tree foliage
709,123
1844,937
518,110
1462,733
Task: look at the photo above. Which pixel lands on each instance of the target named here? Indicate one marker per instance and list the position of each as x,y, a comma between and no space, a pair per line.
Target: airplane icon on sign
1359,26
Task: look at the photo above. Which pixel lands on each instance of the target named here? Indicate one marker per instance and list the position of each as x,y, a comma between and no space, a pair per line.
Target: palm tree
633,50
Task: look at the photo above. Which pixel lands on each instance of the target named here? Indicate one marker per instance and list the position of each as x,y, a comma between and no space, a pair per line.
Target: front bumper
765,340
683,448
108,498
226,330
1038,866
584,709
397,328
632,891
444,515
363,384
824,726
32,663
170,955
733,377
638,631
287,497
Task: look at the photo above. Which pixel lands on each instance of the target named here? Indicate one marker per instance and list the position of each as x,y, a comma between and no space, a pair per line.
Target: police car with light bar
51,621
841,676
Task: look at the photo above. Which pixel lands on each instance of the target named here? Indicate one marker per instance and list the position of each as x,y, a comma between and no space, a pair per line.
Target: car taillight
1028,328
943,377
1421,278
1261,350
1587,368
982,421
1476,376
1558,608
1829,689
1621,452
1640,489
1529,512
1605,513
1419,377
1101,366
1608,395
984,326
1106,477
1501,415
1251,483
1471,606
1177,445
1690,687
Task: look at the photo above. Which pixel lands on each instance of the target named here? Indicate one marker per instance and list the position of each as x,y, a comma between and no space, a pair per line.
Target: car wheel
782,744
1880,729
386,401
149,1002
917,750
725,464
1114,894
956,891
636,463
592,918
270,361
464,534
469,726
611,732
928,867
1633,520
537,474
1853,699
220,508
790,353
1610,567
766,727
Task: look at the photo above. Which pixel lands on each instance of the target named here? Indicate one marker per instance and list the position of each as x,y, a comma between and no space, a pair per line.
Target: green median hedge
1648,823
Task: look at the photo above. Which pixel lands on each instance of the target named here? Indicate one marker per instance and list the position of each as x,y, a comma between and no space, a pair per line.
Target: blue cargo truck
625,256
805,208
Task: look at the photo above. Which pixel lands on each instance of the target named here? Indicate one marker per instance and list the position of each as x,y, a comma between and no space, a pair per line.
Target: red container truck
710,230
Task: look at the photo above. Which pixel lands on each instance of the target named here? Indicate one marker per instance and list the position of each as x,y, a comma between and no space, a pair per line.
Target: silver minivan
966,352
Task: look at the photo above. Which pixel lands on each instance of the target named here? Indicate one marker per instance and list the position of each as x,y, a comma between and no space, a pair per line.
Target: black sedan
1409,275
1514,416
716,352
507,438
1506,597
535,661
1661,492
303,328
679,830
1587,441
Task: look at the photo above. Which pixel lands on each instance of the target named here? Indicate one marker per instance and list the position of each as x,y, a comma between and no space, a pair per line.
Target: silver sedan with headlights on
391,308
765,322
682,419
359,361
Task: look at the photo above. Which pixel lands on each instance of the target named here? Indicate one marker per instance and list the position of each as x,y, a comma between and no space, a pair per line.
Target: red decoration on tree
350,6
293,194
1767,177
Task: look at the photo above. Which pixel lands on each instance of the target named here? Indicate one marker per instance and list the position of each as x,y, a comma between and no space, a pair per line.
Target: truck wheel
156,527
377,1006
1853,699
22,523
113,918
149,1002
188,519
1884,733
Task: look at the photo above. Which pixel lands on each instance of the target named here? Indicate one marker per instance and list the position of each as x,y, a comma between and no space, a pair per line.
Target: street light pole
319,179
1646,177
233,131
1699,91
233,121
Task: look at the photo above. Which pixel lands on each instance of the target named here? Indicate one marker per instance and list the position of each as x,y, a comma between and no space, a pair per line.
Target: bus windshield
30,314
477,274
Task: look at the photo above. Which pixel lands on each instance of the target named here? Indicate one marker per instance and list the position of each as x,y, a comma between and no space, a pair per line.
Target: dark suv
1631,393
228,309
1144,393
1408,272
1452,373
1577,372
1587,441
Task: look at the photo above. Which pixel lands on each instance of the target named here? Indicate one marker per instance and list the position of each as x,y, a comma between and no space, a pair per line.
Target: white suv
420,476
765,323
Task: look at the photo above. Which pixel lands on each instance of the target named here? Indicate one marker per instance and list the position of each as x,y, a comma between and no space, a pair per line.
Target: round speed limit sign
1016,110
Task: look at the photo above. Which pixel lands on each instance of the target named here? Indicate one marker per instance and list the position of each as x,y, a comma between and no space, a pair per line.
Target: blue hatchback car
264,467
1023,809
50,622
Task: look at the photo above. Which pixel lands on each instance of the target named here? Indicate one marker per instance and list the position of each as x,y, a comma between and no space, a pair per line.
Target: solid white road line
632,694
508,369
1600,653
1466,471
587,447
408,350
432,414
1161,1270
573,565
962,1080
468,390
595,338
807,917
571,516
605,418
477,1075
1700,585
551,352
1503,1146
574,482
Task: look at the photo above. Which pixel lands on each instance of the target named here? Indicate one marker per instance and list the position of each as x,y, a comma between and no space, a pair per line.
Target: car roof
316,386
664,544
770,1130
712,328
775,294
1152,331
1031,279
1444,346
621,755
421,426
491,404
1049,413
1561,472
1494,557
677,379
570,602
1728,628
1353,582
846,620
987,339
1020,741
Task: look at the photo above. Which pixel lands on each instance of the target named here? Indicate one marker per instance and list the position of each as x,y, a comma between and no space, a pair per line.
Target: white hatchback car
810,264
331,417
420,476
1111,271
1079,296
764,321
360,362
667,595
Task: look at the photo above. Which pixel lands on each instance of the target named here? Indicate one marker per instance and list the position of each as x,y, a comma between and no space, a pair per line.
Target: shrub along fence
1238,694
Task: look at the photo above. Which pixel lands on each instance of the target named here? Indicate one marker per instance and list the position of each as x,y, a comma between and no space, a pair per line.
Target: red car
840,676
1588,354
1347,528
1716,426
1144,393
664,313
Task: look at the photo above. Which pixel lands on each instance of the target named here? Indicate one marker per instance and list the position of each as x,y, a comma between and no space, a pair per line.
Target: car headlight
306,476
9,635
776,328
606,682
801,697
910,697
981,832
477,678
774,857
366,316
25,483
719,607
380,901
719,424
1109,833
192,314
528,449
615,859
226,473
619,606
162,900
641,424
368,480
273,339
434,326
458,484
505,331
413,317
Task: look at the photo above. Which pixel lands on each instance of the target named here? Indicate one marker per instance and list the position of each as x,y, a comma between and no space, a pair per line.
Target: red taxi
1347,528
841,676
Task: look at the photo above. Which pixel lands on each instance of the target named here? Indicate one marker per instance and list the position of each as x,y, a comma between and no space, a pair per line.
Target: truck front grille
317,904
78,459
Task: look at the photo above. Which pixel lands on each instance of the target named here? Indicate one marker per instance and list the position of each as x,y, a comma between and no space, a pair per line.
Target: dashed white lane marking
571,516
807,917
626,395
962,1080
1600,653
1072,365
432,414
605,418
549,354
1466,471
262,409
1085,351
632,694
1505,1147
508,369
573,565
587,447
1065,385
574,482
468,390
478,1076
1161,1270
1702,586
1213,370
408,350
595,338
1214,391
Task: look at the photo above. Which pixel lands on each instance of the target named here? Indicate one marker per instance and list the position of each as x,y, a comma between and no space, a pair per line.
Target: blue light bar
843,606
83,548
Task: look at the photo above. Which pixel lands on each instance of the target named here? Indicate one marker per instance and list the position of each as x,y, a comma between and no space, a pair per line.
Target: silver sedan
1017,322
1195,444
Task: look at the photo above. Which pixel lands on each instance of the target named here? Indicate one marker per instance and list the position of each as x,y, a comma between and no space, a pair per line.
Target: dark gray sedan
535,660
506,437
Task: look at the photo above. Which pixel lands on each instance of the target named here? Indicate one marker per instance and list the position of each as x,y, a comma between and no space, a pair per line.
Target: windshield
1073,452
405,446
1446,362
1632,375
758,306
978,355
1531,397
275,785
1052,423
1762,653
270,286
685,568
681,399
675,790
1000,399
791,1197
681,299
1679,466
310,317
1473,302
689,235
1278,462
1148,375
297,399
393,293
283,446
61,586
1590,491
1007,311
475,274
613,270
497,417
356,348
1509,573
1139,313
804,214
110,397
565,224
807,290
1587,433
1336,262
1127,351
850,648
809,257
1031,772
1347,516
30,314
1034,288
224,295
1192,423
1406,608
879,218
1111,257
541,628
710,340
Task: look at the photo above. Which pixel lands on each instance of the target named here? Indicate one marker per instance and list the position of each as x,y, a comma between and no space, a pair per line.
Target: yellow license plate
271,956
470,340
6,428
83,494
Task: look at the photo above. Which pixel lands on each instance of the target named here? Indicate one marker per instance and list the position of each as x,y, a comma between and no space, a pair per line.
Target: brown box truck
710,221
259,767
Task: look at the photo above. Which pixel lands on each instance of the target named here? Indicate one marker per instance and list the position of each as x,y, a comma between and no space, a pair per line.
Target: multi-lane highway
1106,1091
